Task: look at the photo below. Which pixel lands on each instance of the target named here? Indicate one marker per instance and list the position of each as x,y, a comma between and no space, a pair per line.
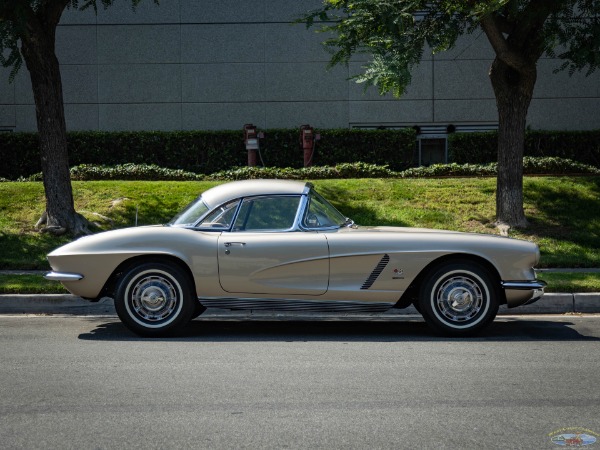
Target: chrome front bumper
524,285
63,276
523,292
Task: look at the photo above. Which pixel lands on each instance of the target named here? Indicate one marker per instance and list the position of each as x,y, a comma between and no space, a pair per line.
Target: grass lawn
564,212
29,284
571,282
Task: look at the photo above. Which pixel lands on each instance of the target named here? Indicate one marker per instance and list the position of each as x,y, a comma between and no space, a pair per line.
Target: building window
433,150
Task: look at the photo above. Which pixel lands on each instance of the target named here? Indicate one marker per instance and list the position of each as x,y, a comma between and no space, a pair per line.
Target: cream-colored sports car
279,245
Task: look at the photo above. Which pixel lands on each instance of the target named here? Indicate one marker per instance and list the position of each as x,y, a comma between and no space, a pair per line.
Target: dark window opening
432,151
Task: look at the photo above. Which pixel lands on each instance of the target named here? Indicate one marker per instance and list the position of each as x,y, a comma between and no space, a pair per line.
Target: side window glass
221,217
267,213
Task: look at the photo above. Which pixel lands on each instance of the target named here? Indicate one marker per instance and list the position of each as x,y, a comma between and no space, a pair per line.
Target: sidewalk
70,304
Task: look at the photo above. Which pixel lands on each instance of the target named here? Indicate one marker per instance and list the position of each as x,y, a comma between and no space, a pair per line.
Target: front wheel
459,298
154,299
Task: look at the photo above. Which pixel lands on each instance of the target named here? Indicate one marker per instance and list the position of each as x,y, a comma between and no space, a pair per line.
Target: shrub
451,170
87,172
556,166
478,148
345,170
209,151
531,166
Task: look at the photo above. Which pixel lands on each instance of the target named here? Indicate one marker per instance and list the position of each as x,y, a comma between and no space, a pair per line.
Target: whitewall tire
459,298
155,299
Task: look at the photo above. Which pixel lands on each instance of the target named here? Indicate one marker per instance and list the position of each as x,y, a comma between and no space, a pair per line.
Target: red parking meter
251,140
308,139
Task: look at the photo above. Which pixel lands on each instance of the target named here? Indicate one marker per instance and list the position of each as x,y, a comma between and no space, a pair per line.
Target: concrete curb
53,304
70,304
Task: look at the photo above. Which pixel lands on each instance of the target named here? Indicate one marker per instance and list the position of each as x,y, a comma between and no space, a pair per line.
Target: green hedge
210,151
207,152
531,166
480,148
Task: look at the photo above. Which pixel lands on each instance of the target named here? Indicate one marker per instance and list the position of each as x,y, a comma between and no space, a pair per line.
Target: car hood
427,231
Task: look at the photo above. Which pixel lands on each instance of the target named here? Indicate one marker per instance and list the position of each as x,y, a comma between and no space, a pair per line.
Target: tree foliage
396,33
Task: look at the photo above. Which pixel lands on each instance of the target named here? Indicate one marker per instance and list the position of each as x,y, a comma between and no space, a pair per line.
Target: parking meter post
251,141
307,142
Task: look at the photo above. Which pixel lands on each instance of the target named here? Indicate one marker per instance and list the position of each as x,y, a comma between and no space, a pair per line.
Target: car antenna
136,214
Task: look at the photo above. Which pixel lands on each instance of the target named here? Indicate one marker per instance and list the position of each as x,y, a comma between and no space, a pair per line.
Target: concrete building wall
219,64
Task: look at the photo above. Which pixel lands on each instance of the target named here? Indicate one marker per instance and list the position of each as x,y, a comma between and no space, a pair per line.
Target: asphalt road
86,382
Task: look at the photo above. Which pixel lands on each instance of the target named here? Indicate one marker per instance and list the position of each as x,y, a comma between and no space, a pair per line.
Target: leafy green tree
396,33
27,33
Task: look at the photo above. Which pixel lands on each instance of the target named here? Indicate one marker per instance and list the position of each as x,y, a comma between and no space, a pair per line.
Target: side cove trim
376,272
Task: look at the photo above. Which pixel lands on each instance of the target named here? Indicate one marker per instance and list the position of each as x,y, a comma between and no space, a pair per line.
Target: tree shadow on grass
565,213
362,215
153,210
27,251
565,209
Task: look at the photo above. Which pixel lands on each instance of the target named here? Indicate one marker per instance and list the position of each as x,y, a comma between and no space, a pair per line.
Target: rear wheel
459,298
155,299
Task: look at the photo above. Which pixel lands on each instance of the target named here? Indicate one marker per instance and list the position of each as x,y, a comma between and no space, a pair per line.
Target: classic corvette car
279,245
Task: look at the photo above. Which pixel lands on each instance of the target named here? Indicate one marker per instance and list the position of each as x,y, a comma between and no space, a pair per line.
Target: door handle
229,244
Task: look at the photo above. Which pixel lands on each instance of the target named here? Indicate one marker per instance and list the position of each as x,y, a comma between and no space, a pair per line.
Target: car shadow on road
215,330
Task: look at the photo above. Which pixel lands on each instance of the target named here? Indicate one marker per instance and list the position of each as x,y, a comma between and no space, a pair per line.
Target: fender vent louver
376,272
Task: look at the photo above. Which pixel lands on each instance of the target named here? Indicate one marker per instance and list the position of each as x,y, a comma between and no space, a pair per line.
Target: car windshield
190,214
322,214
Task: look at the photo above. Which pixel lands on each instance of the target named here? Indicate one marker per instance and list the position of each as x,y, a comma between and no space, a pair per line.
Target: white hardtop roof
249,188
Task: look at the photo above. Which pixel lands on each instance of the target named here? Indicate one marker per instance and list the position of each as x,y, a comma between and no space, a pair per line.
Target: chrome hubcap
154,298
459,298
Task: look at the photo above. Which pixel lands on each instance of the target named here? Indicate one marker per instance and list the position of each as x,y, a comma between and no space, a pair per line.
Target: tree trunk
40,58
513,90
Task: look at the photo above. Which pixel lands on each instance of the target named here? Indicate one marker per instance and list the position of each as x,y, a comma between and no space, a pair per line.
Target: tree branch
504,52
52,10
47,15
505,25
529,30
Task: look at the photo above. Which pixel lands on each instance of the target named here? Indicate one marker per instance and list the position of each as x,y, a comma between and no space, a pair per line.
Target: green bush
88,172
451,170
479,148
344,170
531,166
556,166
20,155
209,151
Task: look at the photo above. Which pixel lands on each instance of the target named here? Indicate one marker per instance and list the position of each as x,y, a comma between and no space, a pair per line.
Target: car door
264,254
